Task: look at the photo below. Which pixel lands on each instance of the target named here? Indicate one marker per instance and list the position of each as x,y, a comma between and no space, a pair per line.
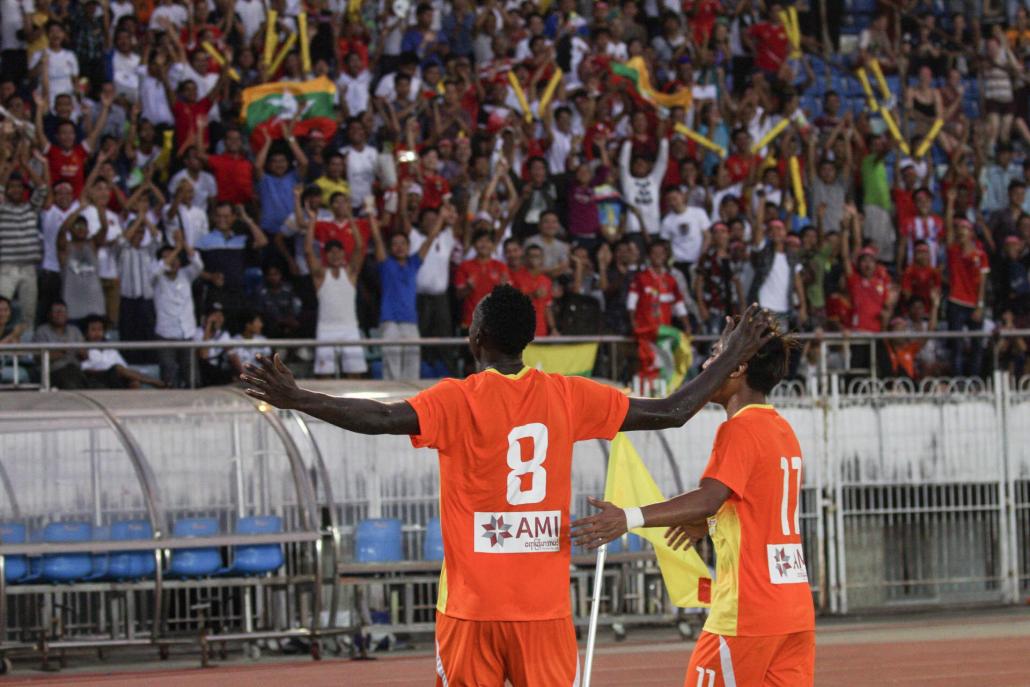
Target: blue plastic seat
627,543
131,565
432,547
257,559
378,541
16,568
66,567
198,562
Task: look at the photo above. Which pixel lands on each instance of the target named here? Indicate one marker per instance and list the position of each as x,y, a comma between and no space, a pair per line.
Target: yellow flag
567,359
630,485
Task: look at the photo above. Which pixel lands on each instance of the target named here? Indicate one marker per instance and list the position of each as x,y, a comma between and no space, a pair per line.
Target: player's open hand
271,381
747,337
606,526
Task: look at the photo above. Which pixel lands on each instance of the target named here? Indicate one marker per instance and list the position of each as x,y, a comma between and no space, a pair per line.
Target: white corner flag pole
595,606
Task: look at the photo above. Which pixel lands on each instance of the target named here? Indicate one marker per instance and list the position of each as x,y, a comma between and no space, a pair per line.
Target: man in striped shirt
20,246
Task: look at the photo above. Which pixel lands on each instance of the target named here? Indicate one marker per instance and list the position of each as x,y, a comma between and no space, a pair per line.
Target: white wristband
634,518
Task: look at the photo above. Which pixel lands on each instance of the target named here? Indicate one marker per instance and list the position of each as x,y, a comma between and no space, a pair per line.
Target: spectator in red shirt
477,277
968,267
435,188
768,40
872,295
921,279
338,228
234,173
741,163
190,111
67,159
654,296
922,226
532,281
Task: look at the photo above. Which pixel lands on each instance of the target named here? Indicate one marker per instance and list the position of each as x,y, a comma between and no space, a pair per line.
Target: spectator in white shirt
168,11
252,328
431,282
105,368
108,253
353,85
123,64
61,65
686,230
182,214
641,181
362,163
155,103
252,16
50,221
173,302
205,188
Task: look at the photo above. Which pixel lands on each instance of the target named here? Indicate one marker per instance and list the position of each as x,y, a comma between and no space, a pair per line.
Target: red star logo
496,531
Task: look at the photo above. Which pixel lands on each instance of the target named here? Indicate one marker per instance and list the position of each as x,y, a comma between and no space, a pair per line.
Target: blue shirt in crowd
276,194
398,284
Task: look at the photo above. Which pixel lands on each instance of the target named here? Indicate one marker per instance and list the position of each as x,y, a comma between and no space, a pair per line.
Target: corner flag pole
595,606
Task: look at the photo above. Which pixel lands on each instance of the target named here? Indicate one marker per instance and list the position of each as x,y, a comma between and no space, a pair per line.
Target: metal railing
846,342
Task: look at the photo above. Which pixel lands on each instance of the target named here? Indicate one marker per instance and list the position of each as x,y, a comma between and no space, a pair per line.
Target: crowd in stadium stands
138,205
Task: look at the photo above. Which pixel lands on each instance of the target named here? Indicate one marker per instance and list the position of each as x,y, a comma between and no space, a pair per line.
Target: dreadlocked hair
771,363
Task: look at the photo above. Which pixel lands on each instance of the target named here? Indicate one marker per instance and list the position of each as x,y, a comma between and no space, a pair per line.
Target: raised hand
686,535
271,381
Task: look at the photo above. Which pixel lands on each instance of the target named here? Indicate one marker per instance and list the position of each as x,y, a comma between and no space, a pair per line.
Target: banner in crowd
566,359
267,107
630,485
636,71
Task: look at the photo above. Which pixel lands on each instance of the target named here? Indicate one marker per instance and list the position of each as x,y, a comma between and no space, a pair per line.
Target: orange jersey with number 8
505,447
761,585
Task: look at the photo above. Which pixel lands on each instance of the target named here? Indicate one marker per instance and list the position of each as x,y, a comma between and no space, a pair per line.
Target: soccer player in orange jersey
761,629
505,437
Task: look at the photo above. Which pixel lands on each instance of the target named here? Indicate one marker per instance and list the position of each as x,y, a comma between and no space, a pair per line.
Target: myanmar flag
636,71
630,485
666,353
567,359
268,106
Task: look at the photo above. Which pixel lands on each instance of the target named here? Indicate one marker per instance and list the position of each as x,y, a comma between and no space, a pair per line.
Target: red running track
985,662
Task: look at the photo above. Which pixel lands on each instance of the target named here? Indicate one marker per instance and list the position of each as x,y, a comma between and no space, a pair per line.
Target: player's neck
506,365
742,399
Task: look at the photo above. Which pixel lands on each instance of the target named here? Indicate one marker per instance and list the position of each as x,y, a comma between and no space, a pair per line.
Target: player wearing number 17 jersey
761,629
504,437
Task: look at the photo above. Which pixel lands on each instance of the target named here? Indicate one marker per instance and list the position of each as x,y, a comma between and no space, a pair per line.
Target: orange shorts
530,653
776,661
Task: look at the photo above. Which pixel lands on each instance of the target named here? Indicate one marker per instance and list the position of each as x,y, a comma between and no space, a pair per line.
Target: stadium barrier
854,354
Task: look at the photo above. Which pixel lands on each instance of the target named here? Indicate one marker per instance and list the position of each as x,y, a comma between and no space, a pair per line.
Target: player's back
761,576
505,444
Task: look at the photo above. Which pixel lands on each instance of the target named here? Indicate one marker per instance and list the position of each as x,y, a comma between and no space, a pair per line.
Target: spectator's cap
720,225
315,133
414,190
776,223
62,185
898,322
907,164
922,190
963,222
794,239
868,250
213,308
1013,240
684,59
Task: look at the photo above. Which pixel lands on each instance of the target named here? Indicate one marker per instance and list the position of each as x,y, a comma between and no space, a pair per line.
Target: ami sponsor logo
520,532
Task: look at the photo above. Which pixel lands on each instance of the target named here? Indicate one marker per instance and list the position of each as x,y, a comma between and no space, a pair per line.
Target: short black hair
771,363
90,319
507,319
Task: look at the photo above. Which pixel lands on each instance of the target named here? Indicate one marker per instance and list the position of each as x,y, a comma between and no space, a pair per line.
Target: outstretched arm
739,344
272,382
681,511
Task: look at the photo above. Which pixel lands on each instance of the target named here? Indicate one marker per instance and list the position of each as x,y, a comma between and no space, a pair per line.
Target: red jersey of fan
330,230
538,288
234,176
761,578
868,298
739,167
186,116
505,444
482,276
770,43
68,165
434,188
919,228
967,271
920,282
653,299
